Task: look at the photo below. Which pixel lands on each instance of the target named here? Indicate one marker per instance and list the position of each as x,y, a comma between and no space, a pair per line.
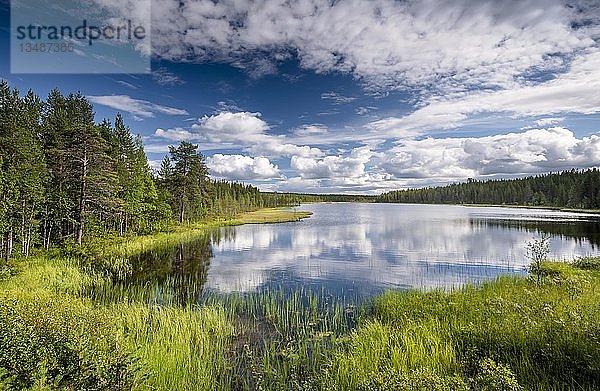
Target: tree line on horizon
64,177
578,189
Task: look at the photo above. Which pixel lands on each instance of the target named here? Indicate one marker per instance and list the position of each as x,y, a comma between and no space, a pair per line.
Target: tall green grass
547,335
183,348
66,322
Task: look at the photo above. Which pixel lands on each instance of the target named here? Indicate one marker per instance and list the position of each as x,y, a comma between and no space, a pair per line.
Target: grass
548,335
271,215
128,247
64,326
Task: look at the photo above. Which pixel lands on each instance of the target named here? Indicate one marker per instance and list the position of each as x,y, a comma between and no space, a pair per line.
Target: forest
65,177
575,189
108,307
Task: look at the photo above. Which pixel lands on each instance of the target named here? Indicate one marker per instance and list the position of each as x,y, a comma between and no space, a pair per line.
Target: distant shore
556,208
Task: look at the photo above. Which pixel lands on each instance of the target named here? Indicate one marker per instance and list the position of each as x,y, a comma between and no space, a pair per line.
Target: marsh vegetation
82,318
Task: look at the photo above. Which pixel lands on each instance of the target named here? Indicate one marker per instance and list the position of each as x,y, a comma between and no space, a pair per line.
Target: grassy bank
127,247
508,334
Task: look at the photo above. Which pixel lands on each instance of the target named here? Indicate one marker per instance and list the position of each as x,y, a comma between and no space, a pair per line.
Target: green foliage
396,353
22,171
185,177
568,189
510,334
587,263
536,252
546,335
64,177
57,347
493,376
417,380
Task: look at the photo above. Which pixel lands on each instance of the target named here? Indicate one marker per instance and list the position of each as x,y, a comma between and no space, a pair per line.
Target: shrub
493,376
587,263
415,381
43,346
537,251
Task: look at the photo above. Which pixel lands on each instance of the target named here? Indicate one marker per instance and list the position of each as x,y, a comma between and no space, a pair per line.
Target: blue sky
355,96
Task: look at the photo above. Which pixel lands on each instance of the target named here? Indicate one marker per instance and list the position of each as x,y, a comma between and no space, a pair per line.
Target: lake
359,249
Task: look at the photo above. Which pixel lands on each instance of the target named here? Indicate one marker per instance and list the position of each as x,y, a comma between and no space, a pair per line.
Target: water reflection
365,248
362,249
177,273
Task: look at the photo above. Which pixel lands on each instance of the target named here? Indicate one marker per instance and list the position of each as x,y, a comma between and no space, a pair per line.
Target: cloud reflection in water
371,247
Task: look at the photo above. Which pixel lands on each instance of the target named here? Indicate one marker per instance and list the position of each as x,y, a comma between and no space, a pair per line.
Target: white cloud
175,134
244,130
362,110
156,148
533,151
154,165
225,127
333,167
128,85
336,98
238,167
137,107
165,78
544,122
548,121
228,127
386,43
274,147
310,130
575,91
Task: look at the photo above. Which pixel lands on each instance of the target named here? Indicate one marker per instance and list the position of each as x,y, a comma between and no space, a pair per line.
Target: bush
587,263
494,376
61,349
537,252
415,381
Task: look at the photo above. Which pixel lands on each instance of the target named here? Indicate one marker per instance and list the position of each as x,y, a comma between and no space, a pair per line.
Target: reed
510,334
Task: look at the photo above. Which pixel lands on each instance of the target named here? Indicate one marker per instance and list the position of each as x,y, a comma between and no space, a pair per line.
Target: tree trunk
45,231
82,197
47,244
23,228
9,243
181,210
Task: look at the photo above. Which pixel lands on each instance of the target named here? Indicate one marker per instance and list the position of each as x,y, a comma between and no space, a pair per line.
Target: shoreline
181,233
491,335
553,208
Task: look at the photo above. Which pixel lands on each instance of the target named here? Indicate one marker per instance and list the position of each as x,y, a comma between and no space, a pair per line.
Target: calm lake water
362,249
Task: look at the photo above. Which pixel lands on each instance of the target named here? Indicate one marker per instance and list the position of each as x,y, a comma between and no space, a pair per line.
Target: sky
356,96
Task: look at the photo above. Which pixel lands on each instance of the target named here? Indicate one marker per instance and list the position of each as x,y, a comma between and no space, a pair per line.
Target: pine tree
189,180
59,206
22,170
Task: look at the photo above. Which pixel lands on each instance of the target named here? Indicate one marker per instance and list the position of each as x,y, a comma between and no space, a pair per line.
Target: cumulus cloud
239,167
339,167
245,130
549,121
533,151
137,107
385,43
575,91
175,134
231,127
